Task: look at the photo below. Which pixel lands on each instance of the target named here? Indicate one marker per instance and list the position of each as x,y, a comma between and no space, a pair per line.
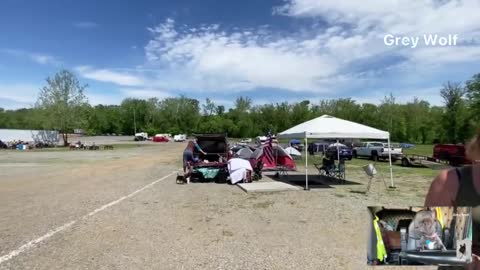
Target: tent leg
338,152
306,163
392,185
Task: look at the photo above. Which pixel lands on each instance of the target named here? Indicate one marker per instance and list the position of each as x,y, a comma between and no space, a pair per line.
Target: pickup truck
453,153
377,151
142,136
180,138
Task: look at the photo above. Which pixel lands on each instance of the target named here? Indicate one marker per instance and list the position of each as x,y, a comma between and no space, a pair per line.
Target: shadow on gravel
299,180
314,181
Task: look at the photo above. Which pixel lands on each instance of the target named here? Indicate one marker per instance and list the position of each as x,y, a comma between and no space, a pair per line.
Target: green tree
209,107
472,88
453,119
62,101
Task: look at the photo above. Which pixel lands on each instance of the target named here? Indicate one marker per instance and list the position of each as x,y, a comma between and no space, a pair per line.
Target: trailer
424,161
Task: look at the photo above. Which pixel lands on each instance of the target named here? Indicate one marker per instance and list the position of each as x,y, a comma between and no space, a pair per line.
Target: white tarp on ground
292,151
9,135
237,168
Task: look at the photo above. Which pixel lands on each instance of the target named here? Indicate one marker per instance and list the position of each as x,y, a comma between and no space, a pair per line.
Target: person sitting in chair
188,154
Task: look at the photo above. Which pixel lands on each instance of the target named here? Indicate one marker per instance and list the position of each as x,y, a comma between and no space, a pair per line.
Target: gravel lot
170,226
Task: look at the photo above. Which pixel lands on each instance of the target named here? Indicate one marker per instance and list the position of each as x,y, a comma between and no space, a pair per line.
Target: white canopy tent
329,127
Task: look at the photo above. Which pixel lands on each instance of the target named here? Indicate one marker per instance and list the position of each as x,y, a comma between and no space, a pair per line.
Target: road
123,210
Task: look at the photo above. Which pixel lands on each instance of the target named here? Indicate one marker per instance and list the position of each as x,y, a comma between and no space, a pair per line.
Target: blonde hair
473,148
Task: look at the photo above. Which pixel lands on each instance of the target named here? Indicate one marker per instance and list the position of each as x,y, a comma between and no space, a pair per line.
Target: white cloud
95,98
210,59
145,93
14,96
106,75
374,19
430,94
43,59
441,55
85,25
348,53
393,16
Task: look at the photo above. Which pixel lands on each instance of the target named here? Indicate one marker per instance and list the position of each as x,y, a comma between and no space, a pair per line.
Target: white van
180,138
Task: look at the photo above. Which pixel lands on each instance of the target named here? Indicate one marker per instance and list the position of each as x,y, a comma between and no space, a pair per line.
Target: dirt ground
171,226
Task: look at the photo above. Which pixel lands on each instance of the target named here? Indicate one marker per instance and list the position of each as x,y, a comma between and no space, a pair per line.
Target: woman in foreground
460,187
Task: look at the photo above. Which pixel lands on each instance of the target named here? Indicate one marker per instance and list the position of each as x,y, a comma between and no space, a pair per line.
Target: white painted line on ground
65,226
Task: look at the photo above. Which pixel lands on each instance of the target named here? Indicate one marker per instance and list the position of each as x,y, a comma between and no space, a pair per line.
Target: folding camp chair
326,168
281,171
339,171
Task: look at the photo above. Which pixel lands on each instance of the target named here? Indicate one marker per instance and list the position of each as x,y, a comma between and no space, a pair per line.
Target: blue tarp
295,141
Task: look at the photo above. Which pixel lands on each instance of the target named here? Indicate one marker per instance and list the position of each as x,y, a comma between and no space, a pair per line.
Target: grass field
420,149
383,166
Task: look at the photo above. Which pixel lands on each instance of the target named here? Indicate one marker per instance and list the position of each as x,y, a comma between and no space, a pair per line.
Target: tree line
63,106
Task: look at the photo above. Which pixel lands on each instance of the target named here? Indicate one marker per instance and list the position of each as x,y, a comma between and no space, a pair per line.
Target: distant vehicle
217,155
453,153
345,152
407,145
317,147
246,140
261,140
297,144
377,151
443,154
142,136
160,138
180,138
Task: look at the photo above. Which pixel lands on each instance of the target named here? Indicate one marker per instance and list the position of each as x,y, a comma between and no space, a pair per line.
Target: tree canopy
63,106
63,103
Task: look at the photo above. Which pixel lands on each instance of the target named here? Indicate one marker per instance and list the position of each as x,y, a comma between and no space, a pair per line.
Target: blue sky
271,51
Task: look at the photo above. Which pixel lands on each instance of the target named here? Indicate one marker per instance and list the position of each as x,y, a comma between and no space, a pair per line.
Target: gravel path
170,226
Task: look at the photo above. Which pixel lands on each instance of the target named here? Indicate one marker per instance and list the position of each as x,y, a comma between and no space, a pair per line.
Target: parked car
180,138
246,140
377,151
345,152
407,145
453,153
142,136
160,138
217,155
297,144
317,147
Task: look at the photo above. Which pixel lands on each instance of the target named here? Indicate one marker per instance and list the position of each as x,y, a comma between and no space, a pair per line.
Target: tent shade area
329,127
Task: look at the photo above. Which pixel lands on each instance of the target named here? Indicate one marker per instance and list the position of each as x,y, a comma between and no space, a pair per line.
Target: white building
27,135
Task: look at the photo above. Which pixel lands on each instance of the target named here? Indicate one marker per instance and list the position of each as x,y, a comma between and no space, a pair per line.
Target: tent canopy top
327,126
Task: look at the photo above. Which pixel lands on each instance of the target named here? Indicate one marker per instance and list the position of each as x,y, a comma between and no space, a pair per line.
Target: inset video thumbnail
420,236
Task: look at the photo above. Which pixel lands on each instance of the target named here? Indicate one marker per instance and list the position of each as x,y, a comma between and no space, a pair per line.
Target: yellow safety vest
438,210
381,250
